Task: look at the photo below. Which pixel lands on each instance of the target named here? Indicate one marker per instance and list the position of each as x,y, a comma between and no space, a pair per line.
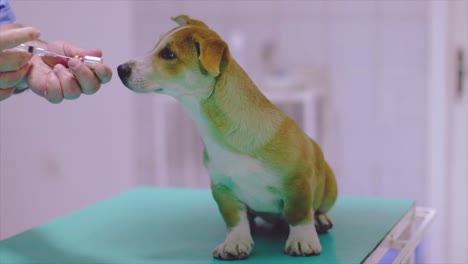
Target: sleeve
6,13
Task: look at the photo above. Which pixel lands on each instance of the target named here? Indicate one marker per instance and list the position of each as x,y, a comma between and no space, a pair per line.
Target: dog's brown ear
186,20
213,54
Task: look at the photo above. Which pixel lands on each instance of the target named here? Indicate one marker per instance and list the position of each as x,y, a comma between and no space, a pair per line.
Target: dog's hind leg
322,222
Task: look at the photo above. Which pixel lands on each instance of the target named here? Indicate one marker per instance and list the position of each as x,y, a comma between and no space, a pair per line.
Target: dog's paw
303,241
304,247
322,223
232,250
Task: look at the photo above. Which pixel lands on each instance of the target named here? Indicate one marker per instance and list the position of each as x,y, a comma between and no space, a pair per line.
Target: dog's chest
250,181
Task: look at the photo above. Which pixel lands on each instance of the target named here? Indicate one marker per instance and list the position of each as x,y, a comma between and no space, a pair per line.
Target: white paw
238,249
238,243
303,247
303,241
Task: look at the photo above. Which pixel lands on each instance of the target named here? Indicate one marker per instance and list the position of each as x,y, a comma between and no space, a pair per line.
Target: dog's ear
213,53
186,20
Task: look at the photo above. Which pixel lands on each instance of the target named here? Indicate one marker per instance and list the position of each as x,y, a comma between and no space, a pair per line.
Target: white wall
55,159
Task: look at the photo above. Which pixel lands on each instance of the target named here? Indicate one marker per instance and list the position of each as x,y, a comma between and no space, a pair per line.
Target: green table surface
155,225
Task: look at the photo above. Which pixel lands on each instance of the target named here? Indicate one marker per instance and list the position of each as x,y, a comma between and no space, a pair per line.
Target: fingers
53,89
13,37
14,65
57,85
88,81
44,81
80,79
70,86
103,72
62,82
12,61
11,78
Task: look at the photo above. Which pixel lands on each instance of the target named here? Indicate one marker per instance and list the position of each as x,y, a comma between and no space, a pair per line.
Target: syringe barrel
90,61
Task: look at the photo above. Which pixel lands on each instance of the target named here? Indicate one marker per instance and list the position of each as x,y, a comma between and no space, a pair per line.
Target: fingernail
73,63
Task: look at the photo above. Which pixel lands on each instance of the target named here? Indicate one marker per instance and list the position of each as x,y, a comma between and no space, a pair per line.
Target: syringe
52,58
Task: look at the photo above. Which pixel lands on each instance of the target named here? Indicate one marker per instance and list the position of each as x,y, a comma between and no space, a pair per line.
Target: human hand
58,82
14,65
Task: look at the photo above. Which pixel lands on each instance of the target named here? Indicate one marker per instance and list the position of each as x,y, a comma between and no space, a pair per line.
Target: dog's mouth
138,84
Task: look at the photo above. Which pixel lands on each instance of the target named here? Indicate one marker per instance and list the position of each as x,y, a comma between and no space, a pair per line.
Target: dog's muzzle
124,71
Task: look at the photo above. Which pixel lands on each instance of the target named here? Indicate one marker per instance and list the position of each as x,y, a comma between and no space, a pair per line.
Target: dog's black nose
124,71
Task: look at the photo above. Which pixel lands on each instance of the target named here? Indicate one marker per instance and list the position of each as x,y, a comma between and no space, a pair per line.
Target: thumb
11,38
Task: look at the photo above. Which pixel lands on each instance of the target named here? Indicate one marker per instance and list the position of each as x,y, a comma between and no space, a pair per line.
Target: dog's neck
236,115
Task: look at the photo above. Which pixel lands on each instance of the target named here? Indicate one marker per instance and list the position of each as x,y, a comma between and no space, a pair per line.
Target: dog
259,160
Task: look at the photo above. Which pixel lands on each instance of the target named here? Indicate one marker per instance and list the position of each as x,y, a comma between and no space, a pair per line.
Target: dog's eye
167,54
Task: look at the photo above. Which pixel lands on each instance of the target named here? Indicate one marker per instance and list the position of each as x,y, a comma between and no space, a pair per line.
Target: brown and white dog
260,162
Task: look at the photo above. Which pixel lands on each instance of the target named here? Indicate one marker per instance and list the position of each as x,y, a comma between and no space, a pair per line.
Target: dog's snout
124,71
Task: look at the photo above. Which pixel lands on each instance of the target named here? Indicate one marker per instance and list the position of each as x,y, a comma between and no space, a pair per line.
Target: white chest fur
250,181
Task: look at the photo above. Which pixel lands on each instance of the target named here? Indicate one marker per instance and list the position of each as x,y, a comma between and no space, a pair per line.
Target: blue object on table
153,225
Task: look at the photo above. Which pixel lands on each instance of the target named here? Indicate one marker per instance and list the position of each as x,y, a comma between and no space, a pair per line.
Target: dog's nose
124,71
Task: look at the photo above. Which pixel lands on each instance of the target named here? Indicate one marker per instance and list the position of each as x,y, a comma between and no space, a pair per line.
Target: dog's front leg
303,238
238,243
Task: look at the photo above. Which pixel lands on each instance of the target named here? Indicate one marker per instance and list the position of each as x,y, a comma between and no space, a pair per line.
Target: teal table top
153,225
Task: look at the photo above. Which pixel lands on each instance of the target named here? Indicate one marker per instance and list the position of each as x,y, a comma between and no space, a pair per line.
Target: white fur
238,241
303,240
250,181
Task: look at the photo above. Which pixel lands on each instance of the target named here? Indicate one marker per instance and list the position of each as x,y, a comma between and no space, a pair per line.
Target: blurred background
379,84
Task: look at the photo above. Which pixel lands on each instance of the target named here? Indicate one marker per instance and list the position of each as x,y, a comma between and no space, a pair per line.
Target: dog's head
185,62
